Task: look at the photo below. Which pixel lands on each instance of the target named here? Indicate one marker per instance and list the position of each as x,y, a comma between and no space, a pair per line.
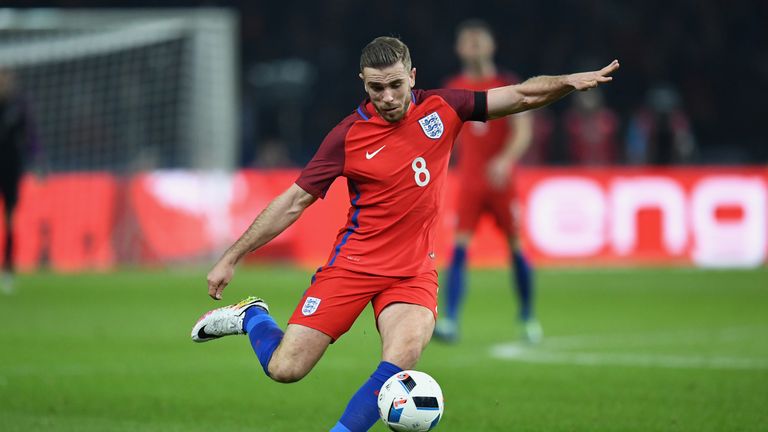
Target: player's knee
286,373
405,356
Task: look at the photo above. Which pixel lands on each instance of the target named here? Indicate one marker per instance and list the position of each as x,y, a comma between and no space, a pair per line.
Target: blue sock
523,284
455,289
264,334
362,411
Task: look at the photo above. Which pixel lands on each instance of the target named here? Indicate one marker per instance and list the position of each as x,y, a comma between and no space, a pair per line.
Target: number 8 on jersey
420,170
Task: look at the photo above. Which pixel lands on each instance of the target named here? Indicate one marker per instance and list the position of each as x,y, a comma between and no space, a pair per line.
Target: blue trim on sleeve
362,114
355,224
314,276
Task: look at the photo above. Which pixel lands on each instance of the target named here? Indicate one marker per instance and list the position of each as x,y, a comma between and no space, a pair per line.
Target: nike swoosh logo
371,155
203,335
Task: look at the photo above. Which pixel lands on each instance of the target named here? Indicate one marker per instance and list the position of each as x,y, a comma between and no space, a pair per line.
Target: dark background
714,53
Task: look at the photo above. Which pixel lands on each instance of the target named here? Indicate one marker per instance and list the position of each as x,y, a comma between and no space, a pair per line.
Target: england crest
310,306
432,125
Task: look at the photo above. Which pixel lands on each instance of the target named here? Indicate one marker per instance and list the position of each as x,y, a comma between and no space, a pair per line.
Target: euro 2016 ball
410,401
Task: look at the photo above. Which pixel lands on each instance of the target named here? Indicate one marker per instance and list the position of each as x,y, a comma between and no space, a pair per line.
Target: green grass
651,350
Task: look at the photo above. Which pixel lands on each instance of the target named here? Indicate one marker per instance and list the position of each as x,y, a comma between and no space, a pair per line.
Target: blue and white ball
411,401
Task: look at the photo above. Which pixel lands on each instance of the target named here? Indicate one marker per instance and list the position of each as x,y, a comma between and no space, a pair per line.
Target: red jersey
396,174
480,142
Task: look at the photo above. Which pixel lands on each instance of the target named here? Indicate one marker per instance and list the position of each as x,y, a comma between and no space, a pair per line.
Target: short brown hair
474,24
385,51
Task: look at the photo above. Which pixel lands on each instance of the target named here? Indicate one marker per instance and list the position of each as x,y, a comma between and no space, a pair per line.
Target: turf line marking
656,339
567,271
524,353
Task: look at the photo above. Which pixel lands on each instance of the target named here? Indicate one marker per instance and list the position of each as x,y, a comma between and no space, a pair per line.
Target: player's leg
326,311
285,357
405,316
469,209
298,351
9,192
504,210
455,287
523,278
523,274
405,330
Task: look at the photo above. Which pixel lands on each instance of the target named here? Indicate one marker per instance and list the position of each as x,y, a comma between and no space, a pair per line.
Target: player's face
390,89
475,45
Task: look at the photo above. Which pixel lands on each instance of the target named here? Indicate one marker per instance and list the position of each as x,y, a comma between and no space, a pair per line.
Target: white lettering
566,216
739,242
629,195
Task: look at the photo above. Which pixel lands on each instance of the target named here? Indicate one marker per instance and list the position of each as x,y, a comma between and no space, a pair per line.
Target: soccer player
393,150
487,153
14,140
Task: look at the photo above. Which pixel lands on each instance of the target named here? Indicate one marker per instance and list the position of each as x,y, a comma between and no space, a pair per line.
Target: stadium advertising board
706,217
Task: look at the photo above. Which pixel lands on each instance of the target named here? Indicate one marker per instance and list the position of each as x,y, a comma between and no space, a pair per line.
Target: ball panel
426,402
410,401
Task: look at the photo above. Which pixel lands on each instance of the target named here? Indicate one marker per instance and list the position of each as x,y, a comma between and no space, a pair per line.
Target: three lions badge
432,125
310,306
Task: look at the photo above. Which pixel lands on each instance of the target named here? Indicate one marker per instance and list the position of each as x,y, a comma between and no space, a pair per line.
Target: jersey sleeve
469,105
328,162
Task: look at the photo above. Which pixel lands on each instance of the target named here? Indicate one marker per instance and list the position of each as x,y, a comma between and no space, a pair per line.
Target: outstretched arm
543,90
279,215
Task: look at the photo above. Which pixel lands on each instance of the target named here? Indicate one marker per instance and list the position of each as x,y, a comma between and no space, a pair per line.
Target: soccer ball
410,401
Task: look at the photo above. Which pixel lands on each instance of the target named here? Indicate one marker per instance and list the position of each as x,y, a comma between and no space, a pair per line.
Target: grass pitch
624,350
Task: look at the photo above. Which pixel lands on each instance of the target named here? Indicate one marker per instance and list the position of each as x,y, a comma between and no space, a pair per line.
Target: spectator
591,131
14,143
659,133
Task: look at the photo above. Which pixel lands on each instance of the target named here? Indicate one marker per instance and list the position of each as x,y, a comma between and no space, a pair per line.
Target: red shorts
337,297
473,201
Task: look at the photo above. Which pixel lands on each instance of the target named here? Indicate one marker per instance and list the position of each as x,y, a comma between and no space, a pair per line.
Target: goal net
125,90
116,96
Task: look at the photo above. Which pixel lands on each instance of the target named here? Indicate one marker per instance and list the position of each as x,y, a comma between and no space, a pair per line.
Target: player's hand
498,172
587,80
219,277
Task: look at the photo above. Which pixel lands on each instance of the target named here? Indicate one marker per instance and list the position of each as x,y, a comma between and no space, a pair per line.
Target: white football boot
225,321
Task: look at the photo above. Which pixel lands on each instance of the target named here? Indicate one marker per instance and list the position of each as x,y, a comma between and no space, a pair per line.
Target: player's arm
516,145
279,215
542,90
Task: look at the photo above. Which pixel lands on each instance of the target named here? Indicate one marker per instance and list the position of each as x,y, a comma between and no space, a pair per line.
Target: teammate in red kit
393,150
487,154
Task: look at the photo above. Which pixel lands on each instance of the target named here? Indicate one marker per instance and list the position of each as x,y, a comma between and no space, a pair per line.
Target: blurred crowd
686,93
689,91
